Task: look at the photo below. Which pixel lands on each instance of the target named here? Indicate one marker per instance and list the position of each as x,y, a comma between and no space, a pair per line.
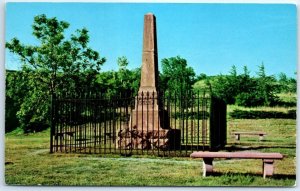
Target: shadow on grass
275,176
232,148
284,176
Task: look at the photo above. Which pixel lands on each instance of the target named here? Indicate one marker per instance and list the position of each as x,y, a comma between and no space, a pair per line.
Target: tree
201,76
243,90
123,75
121,82
287,85
233,71
122,62
259,91
176,76
53,66
227,87
129,80
292,85
266,87
16,88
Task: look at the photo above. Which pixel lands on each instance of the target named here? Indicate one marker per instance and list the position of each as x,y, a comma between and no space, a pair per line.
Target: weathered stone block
138,139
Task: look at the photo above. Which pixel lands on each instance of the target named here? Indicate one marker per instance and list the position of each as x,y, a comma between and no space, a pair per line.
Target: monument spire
149,73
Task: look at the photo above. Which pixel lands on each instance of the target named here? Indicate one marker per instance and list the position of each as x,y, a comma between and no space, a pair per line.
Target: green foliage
176,76
223,88
244,90
16,88
287,85
11,120
266,87
248,99
177,80
123,81
202,76
127,80
122,63
54,66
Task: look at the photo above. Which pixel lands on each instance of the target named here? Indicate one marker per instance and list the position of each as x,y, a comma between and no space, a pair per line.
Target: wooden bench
260,134
208,157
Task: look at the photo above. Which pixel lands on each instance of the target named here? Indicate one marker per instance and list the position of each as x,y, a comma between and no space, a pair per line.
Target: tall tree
52,66
266,87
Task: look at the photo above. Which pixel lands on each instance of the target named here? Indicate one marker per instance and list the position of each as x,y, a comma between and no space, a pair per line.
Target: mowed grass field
28,162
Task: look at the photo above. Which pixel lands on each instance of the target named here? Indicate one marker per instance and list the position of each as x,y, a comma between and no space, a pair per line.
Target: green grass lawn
28,162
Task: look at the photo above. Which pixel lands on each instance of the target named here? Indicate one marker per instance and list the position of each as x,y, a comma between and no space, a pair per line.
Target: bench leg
207,166
268,168
237,137
261,137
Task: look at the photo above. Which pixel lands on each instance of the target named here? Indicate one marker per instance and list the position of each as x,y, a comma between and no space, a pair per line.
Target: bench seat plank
260,133
245,155
250,133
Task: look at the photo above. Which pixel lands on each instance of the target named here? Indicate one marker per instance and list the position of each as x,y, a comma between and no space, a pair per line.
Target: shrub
241,114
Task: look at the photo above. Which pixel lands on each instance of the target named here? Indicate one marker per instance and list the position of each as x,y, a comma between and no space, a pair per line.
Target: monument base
134,138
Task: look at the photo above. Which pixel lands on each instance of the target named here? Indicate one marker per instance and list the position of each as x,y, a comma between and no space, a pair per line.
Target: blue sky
211,37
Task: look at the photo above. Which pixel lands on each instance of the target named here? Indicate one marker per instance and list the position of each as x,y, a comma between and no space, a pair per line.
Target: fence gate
104,125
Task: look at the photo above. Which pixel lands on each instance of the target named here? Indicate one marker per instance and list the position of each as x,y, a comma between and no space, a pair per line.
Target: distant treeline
250,91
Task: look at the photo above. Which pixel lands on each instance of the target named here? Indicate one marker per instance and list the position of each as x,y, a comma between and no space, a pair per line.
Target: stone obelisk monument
148,127
146,112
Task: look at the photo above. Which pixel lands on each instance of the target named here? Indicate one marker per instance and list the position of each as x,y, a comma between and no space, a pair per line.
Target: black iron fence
164,125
